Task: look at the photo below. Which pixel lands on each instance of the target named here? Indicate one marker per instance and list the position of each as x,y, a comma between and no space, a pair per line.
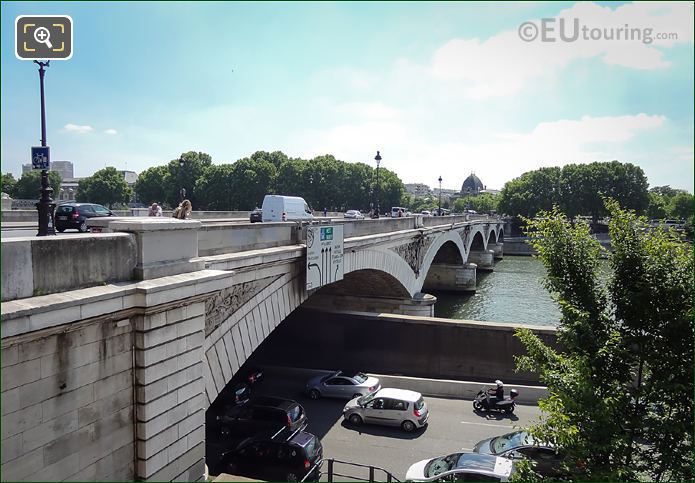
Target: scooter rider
498,391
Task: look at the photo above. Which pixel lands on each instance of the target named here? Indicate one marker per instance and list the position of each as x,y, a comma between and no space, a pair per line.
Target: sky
440,89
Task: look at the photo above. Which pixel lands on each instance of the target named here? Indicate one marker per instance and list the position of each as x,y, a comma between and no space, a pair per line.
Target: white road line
487,424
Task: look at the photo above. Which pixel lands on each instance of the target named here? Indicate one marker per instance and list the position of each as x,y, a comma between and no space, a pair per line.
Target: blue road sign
40,157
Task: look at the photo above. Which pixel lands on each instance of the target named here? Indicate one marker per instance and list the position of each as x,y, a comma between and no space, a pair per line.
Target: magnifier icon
43,36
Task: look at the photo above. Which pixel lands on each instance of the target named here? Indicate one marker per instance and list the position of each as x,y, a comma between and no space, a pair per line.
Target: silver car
344,385
389,407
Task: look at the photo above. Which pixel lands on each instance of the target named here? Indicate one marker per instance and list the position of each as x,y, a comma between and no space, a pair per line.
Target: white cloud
504,63
111,131
76,128
495,159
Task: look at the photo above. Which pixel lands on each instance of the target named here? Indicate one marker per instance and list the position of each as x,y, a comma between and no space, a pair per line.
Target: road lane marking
487,424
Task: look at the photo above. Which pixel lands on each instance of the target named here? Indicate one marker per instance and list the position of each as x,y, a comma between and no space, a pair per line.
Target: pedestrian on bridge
183,211
155,210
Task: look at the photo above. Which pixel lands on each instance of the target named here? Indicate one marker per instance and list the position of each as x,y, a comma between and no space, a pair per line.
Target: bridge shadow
496,416
385,431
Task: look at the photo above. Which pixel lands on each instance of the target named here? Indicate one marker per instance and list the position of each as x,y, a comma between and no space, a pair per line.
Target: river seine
512,293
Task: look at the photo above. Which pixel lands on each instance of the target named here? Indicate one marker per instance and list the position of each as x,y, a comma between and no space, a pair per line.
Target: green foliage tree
8,183
214,188
620,394
531,193
151,185
105,187
28,187
482,203
658,206
576,188
183,173
681,206
250,181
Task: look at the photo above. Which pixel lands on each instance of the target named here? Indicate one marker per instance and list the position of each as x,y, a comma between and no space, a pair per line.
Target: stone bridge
114,344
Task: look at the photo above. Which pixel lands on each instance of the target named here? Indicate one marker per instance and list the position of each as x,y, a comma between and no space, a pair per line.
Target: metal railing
373,471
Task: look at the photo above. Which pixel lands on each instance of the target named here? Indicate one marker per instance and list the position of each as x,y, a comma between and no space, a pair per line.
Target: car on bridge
256,216
345,385
389,407
462,467
74,215
353,215
281,456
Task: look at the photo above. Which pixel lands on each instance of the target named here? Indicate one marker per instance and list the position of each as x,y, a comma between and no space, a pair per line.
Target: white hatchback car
388,407
462,467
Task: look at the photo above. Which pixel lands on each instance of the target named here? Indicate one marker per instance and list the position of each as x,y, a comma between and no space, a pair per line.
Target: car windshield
365,399
357,376
505,442
439,465
64,209
295,412
311,447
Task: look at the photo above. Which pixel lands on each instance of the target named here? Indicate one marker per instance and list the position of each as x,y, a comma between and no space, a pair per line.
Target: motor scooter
483,402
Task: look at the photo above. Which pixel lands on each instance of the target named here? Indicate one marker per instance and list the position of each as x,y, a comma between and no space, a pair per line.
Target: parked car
346,385
240,393
388,407
353,215
426,213
256,216
285,208
521,445
462,467
74,215
262,414
282,456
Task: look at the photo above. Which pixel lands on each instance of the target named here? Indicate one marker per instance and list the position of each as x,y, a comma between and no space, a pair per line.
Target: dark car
547,461
74,215
262,414
281,456
256,216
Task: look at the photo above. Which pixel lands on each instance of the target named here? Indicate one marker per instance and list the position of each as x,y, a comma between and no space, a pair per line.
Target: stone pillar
453,278
498,249
169,394
165,246
422,304
484,259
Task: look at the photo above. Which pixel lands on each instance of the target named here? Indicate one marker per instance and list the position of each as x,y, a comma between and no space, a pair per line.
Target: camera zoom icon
43,37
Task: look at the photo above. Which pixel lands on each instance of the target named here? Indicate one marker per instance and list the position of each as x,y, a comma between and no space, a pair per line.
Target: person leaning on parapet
155,210
183,211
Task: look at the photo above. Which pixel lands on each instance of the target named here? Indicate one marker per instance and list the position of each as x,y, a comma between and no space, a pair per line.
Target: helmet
499,383
513,393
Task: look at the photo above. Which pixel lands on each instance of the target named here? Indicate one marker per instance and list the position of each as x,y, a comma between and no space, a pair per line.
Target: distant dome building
472,186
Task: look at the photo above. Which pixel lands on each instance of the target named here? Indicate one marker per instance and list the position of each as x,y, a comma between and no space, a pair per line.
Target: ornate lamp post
182,191
45,206
439,211
378,160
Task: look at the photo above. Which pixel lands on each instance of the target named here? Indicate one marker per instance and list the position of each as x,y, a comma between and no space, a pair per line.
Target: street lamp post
45,206
182,191
378,160
439,211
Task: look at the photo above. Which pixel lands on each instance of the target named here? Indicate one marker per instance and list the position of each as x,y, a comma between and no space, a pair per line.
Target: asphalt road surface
452,427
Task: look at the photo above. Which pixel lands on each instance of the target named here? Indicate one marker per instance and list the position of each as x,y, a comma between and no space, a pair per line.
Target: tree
28,187
681,206
105,187
183,173
620,393
658,206
532,192
151,185
214,188
250,181
8,183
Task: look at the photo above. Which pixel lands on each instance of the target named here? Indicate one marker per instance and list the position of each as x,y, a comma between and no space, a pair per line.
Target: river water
512,293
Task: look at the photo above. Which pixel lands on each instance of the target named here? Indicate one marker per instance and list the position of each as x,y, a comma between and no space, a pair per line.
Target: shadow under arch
365,282
478,243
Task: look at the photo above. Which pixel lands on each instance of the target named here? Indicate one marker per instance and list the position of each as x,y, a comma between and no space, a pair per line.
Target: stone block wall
67,404
169,393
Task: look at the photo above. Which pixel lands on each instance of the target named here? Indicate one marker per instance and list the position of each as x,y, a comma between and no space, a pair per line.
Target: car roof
272,401
485,462
402,394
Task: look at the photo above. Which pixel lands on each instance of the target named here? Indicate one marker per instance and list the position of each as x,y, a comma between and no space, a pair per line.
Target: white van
398,211
285,208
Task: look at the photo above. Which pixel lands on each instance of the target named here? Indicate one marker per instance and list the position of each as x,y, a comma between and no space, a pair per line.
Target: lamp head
377,157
